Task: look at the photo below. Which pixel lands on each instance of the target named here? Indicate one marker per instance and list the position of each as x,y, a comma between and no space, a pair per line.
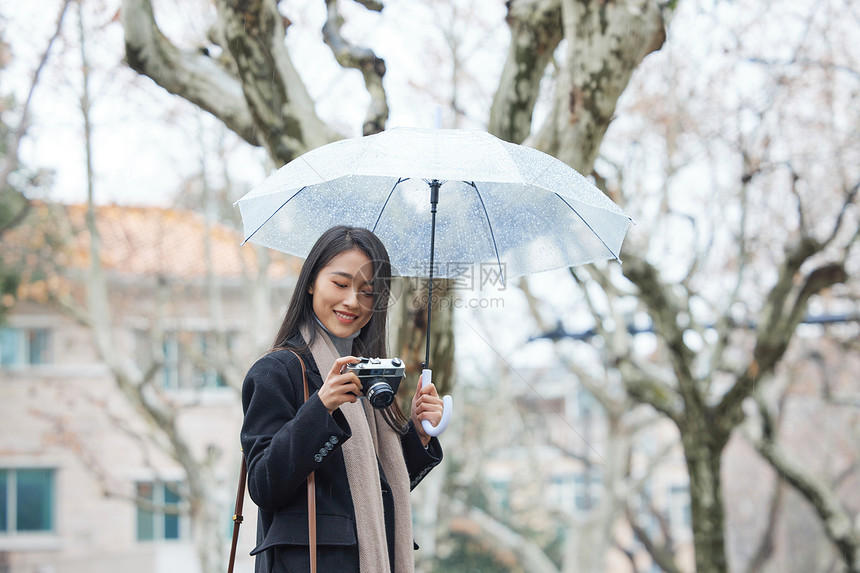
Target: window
680,514
501,492
582,498
158,511
26,501
586,404
588,487
576,493
187,359
23,347
562,491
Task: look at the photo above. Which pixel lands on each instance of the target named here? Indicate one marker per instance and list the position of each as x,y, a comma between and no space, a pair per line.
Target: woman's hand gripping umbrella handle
447,409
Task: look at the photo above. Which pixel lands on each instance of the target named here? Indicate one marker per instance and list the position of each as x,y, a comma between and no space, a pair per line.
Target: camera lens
379,393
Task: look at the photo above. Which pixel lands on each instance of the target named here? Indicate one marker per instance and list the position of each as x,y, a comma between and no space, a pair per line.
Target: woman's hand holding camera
340,387
426,405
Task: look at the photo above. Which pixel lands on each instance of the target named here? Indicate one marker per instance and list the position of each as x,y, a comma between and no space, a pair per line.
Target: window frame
157,511
33,347
11,494
181,351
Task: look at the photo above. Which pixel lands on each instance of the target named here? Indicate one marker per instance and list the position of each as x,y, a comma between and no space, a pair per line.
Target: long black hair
371,341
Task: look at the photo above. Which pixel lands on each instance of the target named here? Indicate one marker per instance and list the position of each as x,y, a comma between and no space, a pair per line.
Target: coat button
318,458
328,446
333,439
323,452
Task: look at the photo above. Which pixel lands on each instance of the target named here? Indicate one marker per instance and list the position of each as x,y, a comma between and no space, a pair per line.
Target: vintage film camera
380,378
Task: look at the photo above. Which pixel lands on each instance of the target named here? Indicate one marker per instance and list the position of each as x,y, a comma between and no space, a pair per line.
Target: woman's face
343,293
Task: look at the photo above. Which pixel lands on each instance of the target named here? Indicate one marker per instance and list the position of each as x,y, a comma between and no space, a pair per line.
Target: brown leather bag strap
237,514
312,498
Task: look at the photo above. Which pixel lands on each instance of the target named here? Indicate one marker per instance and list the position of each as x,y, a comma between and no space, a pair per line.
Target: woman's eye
367,293
339,285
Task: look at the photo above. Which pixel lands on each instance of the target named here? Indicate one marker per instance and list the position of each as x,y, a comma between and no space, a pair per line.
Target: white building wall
71,417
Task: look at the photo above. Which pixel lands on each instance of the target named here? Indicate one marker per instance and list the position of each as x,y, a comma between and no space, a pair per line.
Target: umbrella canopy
498,202
488,202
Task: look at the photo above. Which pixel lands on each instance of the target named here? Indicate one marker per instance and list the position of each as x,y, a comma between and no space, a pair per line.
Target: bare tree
726,308
139,387
544,473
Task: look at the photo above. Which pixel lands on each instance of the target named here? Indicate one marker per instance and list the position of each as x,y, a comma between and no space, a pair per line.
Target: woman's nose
351,299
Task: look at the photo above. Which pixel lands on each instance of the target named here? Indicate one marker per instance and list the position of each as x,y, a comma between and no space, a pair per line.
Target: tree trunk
587,545
535,34
283,112
703,448
409,337
606,41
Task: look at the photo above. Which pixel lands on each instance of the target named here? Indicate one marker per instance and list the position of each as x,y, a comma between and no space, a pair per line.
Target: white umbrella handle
447,409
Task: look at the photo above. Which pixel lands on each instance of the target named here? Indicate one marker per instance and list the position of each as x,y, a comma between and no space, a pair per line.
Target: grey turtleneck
343,345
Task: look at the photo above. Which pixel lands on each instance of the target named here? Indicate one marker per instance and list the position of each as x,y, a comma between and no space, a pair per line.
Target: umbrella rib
269,218
590,228
490,225
387,199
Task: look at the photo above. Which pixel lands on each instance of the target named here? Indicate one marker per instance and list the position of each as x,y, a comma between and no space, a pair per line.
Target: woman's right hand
340,386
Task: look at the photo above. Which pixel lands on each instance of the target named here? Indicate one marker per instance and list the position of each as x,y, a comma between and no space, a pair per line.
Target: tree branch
190,74
725,323
505,542
766,545
362,59
662,554
536,31
280,106
835,518
372,5
664,310
783,311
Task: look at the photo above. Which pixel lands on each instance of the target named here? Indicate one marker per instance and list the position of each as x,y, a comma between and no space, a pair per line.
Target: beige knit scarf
372,438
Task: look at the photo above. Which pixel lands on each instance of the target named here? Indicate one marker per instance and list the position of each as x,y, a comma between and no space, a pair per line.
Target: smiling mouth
347,317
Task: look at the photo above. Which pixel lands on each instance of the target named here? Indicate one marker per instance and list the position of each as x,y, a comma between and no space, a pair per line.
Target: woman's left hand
426,405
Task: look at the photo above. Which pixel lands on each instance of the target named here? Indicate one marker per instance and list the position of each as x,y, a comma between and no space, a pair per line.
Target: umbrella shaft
434,200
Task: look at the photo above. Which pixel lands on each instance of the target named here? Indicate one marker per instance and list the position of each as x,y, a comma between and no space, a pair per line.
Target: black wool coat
284,439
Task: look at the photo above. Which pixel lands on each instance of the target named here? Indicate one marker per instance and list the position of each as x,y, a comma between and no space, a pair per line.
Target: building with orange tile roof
87,483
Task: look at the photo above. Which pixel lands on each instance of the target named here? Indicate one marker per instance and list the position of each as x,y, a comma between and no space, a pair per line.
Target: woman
365,461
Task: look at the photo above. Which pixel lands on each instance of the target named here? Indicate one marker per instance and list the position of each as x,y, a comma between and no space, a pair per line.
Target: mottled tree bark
535,34
192,75
606,42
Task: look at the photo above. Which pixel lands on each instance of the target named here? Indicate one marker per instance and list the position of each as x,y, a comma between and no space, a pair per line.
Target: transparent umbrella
436,197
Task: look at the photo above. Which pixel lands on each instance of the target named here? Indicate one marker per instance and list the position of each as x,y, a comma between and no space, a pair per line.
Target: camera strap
312,498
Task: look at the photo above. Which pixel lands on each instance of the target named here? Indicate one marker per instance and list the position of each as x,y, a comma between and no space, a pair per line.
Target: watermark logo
452,283
460,278
440,302
493,276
